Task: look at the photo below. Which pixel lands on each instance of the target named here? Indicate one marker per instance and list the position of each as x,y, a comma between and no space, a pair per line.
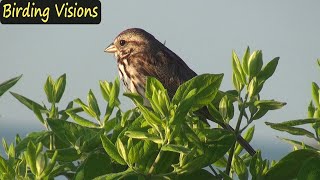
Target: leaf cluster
166,140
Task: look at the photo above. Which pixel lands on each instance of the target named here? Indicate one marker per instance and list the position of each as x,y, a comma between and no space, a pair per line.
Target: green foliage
297,162
304,162
8,84
168,139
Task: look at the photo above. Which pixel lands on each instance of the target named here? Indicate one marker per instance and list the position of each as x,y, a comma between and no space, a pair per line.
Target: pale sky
202,34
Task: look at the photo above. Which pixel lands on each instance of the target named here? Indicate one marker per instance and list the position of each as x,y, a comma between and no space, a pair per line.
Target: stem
52,114
228,168
214,171
236,132
155,162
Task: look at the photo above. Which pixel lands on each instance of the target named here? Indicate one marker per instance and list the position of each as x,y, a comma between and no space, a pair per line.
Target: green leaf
214,112
316,113
223,107
240,168
245,61
217,142
289,166
297,143
64,116
49,89
221,163
268,70
8,84
59,87
259,114
215,135
298,122
252,87
135,97
165,163
72,133
114,93
108,112
143,135
27,102
311,110
206,87
65,154
256,166
93,104
237,85
5,145
5,168
315,93
175,148
255,63
30,156
35,137
50,166
110,125
122,149
183,108
191,135
152,84
82,121
269,104
37,112
310,169
152,119
39,148
105,88
248,137
141,152
157,96
41,163
86,108
237,69
112,151
291,130
116,176
200,174
224,175
11,153
95,165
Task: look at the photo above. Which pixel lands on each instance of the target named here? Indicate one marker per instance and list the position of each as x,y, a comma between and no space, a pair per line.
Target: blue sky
202,33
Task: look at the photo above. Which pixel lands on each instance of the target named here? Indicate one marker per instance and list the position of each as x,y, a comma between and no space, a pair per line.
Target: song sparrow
139,54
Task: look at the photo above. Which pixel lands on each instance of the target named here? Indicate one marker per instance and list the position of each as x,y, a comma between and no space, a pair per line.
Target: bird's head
131,41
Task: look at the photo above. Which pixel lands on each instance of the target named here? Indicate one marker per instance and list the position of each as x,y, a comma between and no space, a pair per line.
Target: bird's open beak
111,48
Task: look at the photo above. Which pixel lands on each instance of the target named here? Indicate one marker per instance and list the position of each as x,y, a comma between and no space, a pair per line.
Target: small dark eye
122,42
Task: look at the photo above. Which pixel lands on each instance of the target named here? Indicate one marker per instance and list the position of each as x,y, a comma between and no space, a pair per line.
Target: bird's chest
133,80
128,75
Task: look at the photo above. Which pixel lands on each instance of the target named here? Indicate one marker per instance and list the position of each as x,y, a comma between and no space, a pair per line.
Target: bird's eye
122,42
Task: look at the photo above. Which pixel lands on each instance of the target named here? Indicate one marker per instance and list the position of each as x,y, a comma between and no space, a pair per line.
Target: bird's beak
111,48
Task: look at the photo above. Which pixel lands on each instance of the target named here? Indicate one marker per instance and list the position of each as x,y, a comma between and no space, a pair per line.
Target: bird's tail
204,112
240,139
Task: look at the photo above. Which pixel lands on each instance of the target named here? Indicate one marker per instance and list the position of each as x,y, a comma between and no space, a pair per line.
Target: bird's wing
168,68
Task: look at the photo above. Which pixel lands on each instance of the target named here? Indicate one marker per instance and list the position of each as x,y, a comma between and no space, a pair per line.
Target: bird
139,55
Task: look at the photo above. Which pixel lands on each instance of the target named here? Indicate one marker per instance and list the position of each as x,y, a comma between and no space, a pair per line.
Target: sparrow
139,55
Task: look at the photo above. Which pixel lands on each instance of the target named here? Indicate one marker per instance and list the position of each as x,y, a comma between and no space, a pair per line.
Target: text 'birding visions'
50,12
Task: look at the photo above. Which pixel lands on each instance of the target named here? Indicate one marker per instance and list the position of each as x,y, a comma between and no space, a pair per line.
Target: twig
236,132
155,162
214,171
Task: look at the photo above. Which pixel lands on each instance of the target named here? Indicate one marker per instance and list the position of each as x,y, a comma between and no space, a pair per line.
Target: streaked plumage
139,54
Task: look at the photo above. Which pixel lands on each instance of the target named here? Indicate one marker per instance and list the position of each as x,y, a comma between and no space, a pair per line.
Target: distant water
9,131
